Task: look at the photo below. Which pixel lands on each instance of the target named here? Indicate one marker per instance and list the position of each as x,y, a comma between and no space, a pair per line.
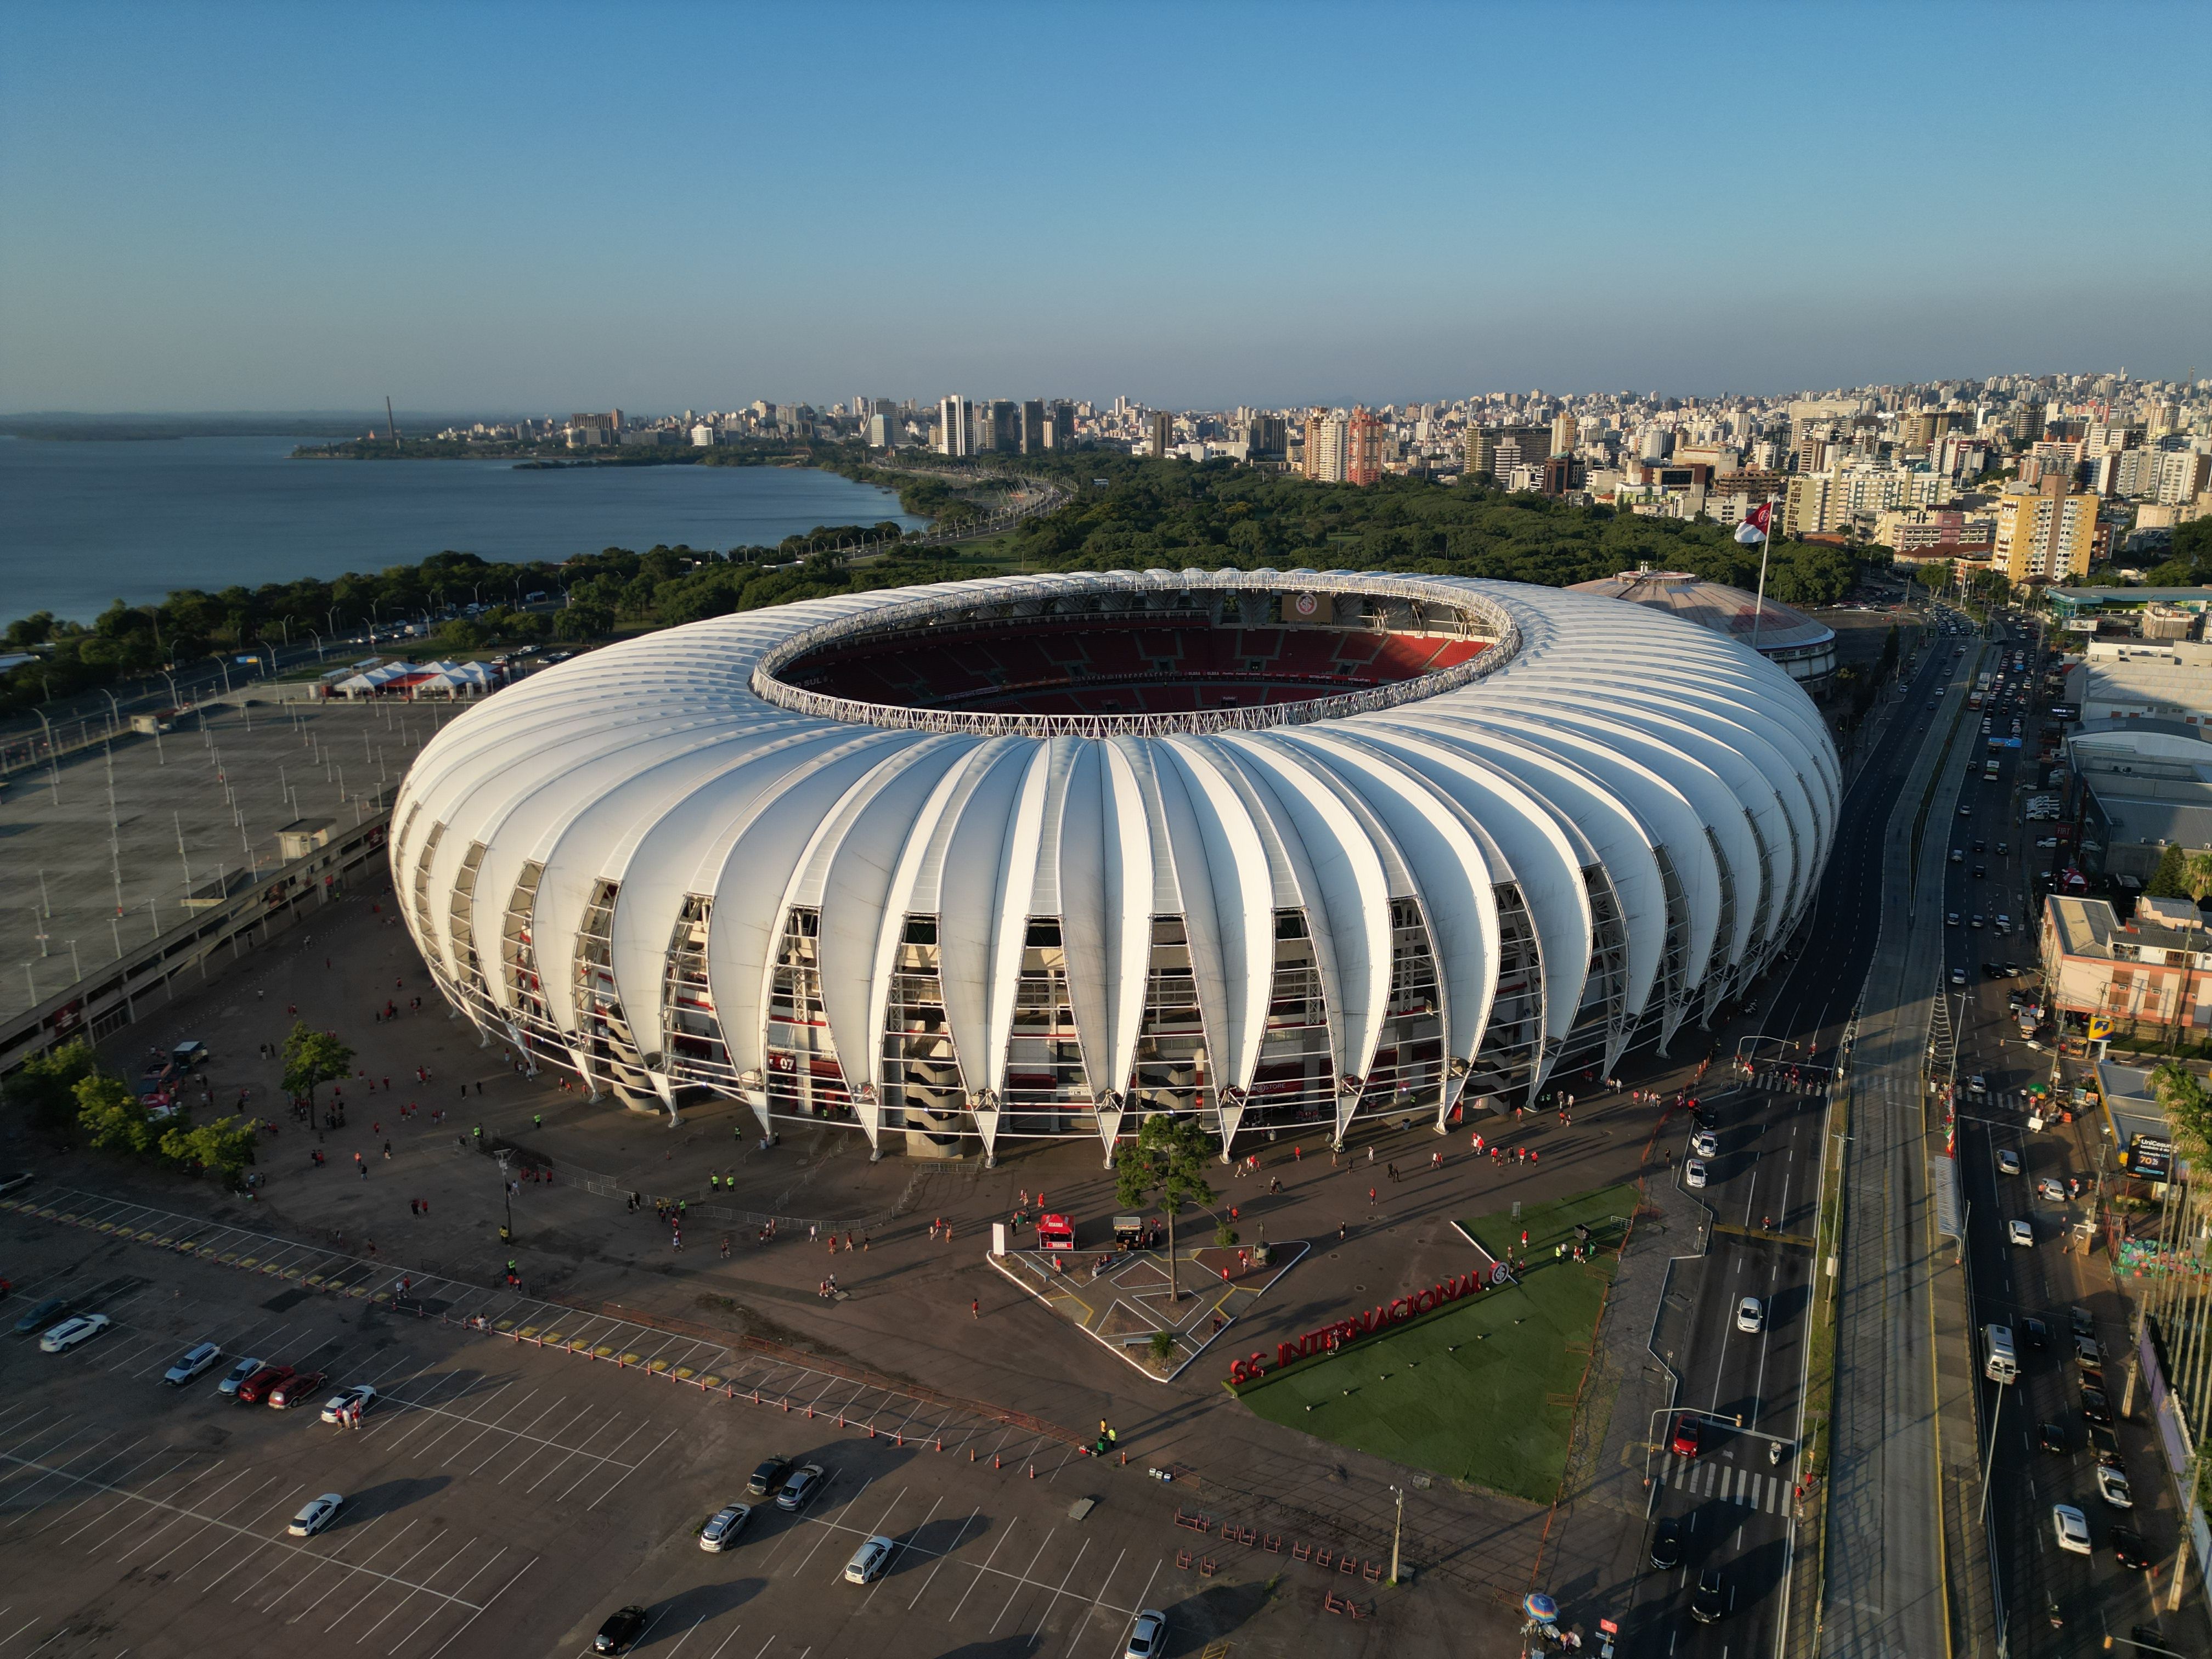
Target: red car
1685,1437
301,1385
255,1388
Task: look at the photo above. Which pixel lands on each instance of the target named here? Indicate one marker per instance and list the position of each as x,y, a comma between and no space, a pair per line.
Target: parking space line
610,1455
478,1613
1091,1611
942,1559
158,1451
543,1442
980,1572
1023,1579
534,1422
566,1454
842,1508
897,1546
488,1423
403,1566
476,1574
17,1498
879,1528
467,1544
88,1497
627,1471
726,1640
140,1543
1060,1590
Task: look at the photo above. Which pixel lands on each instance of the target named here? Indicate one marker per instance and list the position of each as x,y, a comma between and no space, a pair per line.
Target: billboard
2149,1159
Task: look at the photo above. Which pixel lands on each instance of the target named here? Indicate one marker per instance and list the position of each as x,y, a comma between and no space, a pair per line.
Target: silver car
194,1360
1147,1635
317,1515
244,1368
720,1531
869,1560
805,1482
70,1332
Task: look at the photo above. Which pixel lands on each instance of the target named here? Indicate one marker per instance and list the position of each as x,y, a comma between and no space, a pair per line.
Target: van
2002,1363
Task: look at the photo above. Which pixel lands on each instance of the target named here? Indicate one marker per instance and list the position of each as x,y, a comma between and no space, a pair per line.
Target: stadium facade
1031,856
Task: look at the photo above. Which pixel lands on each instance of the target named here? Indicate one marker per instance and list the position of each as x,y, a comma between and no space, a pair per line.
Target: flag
1755,522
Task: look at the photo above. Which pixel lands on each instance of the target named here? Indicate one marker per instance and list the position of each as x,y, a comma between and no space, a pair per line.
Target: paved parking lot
504,1498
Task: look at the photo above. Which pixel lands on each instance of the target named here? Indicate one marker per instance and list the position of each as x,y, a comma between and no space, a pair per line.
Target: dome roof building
1033,856
1804,648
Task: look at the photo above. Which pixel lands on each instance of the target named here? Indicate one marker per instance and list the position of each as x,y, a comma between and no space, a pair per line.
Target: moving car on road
2129,1550
317,1515
1750,1315
70,1332
1666,1546
1687,1437
2052,1437
194,1360
2071,1528
720,1531
2019,1232
1710,1600
2112,1487
869,1559
2007,1160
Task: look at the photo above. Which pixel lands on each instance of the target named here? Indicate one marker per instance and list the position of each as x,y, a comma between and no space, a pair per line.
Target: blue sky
543,208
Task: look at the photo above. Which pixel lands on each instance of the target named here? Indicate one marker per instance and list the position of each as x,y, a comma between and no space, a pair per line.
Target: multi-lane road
1731,1506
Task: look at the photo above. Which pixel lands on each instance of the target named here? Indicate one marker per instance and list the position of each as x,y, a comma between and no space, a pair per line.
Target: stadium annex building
1031,856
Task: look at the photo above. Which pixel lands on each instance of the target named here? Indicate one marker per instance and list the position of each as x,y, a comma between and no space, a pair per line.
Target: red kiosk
1055,1232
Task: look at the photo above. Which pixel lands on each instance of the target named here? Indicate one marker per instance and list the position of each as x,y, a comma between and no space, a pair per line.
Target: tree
112,1117
226,1145
1168,1160
44,1092
2188,1108
2170,879
312,1058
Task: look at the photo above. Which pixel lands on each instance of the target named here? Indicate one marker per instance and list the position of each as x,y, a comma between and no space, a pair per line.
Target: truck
2000,1363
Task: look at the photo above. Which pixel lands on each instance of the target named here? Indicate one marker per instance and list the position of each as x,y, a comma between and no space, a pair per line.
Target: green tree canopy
311,1058
1167,1162
2171,878
44,1091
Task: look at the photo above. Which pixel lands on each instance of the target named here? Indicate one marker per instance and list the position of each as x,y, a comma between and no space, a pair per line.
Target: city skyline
240,211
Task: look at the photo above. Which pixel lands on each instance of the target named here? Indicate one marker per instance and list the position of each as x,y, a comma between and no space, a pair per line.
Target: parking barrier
1300,1551
1373,1572
1207,1568
1182,1559
1349,1565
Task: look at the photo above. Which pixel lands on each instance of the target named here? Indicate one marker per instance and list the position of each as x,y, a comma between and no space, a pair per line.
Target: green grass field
1483,1392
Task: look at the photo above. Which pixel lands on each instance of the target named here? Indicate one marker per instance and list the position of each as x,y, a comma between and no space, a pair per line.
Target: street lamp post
505,1157
1397,1527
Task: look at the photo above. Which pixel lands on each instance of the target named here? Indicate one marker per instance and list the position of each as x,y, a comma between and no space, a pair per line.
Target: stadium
1029,856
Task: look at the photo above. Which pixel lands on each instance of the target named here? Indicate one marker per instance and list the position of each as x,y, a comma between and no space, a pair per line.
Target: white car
1147,1636
317,1515
2072,1528
70,1332
244,1368
722,1531
193,1361
2047,1188
1750,1316
2020,1233
2112,1487
343,1402
1706,1144
869,1560
1693,1174
2007,1160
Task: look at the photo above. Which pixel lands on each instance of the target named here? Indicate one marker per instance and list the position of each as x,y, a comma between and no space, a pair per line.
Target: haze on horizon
506,208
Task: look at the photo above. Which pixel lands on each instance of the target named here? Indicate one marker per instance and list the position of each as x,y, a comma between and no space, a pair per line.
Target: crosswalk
1703,1478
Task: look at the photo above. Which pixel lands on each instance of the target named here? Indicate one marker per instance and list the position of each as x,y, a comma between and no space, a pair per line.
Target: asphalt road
2094,1595
1732,1503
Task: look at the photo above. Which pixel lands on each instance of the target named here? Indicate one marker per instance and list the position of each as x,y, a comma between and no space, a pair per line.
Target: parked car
1693,1174
70,1332
2007,1160
620,1632
2079,1317
194,1360
230,1385
300,1386
1147,1636
1705,1144
721,1531
803,1483
2087,1355
17,1178
871,1559
2071,1528
1750,1315
254,1390
363,1394
2095,1406
51,1311
317,1515
2049,1189
768,1477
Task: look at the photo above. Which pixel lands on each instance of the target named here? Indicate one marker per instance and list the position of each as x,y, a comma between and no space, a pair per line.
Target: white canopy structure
1033,855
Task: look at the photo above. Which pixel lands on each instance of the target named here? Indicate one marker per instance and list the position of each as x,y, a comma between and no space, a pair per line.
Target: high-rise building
1266,437
1366,438
953,435
1161,429
1032,436
998,427
1563,434
2048,533
1493,452
882,431
1059,426
1326,443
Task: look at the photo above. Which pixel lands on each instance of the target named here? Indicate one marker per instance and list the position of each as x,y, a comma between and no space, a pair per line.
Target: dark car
2036,1333
48,1312
2095,1406
2052,1437
1710,1600
1666,1546
2083,1325
620,1634
769,1476
301,1385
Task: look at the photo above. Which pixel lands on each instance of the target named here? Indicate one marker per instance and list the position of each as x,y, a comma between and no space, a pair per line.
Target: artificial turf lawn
1483,1391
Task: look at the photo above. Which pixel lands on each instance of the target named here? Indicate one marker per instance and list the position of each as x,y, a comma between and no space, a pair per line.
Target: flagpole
1766,542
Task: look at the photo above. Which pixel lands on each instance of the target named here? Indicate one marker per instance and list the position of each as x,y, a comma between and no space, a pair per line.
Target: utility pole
1397,1527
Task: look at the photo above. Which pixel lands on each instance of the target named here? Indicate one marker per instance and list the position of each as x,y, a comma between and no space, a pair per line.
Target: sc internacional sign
1330,1338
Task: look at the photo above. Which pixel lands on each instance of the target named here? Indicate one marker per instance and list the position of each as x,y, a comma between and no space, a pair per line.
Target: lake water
84,524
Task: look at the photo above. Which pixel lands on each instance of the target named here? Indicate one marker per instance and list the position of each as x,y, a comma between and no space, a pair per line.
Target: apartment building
2049,533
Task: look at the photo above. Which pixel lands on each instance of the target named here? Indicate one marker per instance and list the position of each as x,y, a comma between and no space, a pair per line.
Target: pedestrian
975,1309
538,1120
1340,1232
1370,1196
1298,1153
1392,1169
